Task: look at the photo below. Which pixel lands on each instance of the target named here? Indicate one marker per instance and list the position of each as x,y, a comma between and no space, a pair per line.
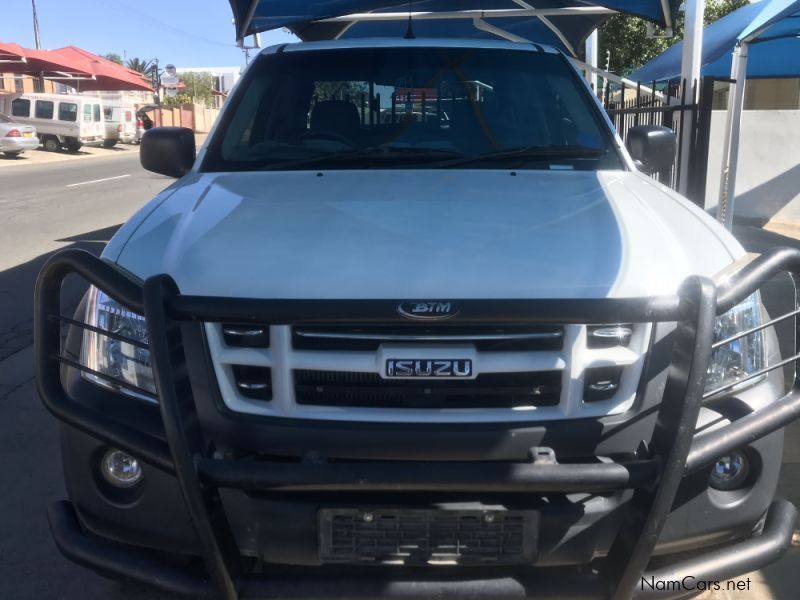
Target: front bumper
139,565
652,479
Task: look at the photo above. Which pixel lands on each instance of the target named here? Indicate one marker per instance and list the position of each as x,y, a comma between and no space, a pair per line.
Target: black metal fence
684,109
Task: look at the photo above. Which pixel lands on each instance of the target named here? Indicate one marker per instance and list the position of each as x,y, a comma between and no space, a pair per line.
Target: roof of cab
413,43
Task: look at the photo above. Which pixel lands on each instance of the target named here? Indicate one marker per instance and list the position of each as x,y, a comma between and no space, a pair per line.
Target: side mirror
652,147
168,151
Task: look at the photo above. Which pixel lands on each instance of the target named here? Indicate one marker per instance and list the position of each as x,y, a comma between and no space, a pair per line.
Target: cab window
44,109
21,108
67,111
413,108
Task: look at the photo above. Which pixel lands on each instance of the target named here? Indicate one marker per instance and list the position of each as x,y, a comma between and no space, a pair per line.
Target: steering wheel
325,135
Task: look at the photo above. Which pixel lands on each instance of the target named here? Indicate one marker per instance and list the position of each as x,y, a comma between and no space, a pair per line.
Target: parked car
143,120
480,354
119,114
62,120
15,137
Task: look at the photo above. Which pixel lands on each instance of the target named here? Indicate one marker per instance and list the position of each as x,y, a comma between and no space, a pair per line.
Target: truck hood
422,234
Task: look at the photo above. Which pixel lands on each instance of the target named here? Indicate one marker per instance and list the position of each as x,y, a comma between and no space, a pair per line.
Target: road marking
97,180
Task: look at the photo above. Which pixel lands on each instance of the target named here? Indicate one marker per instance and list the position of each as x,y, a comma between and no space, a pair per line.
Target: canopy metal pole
690,75
591,59
730,148
566,11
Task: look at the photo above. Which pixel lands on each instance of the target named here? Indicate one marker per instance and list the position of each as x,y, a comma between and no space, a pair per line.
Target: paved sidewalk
41,157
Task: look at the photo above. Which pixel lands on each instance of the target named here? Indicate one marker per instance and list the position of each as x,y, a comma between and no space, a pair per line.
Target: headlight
741,357
125,362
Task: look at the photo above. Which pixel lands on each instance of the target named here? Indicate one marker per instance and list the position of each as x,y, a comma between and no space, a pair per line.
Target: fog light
120,469
730,471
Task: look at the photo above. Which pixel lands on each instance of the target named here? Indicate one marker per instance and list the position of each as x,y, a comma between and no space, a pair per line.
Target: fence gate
670,103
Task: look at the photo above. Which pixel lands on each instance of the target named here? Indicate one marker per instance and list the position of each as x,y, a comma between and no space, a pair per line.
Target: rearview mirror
168,151
652,147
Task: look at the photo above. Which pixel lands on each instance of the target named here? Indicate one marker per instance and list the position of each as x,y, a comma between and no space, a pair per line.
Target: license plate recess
427,536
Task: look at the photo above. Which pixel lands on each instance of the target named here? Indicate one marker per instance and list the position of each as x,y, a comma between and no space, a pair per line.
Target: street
80,204
42,209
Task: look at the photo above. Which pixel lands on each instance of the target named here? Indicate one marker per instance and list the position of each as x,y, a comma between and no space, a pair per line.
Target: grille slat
486,338
488,390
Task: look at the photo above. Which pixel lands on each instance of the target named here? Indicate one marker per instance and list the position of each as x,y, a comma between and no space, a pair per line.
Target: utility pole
37,41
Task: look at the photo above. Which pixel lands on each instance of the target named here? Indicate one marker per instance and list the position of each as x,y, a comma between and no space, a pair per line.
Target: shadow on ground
16,291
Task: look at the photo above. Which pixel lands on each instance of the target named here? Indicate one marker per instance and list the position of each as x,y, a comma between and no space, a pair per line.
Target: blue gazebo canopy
770,27
307,18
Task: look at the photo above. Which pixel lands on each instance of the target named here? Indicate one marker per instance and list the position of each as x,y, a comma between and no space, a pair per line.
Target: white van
120,122
62,120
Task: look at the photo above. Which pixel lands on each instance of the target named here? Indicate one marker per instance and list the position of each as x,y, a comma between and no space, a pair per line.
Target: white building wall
768,182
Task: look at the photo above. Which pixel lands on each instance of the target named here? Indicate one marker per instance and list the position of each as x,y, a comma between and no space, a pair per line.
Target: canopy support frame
690,76
730,148
549,24
472,14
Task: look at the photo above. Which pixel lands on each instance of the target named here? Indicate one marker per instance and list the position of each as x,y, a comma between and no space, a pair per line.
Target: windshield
412,108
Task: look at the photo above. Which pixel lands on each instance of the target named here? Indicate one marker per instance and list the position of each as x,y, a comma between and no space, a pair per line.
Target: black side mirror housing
168,151
652,147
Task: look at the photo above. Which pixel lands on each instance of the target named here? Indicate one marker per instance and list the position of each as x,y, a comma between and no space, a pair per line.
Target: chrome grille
518,373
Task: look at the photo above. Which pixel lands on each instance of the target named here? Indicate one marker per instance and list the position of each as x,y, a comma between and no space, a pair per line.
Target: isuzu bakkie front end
412,326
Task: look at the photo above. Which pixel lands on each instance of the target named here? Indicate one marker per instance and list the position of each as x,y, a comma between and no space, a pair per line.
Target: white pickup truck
416,324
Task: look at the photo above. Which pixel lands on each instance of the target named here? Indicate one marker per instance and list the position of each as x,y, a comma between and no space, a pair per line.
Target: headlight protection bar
673,451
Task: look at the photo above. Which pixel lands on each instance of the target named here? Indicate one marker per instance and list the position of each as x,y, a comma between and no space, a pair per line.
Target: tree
626,37
113,57
177,100
143,66
199,87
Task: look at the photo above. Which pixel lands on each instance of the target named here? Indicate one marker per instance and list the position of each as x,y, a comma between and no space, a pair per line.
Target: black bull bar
673,450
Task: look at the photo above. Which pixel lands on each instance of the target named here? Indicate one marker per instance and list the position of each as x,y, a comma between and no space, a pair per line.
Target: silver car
15,138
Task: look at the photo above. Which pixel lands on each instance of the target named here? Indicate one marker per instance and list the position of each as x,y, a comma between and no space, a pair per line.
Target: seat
336,116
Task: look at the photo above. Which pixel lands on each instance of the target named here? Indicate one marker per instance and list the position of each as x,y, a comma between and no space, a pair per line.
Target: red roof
108,75
34,62
10,52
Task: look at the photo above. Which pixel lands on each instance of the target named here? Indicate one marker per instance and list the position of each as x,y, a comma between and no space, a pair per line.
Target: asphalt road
44,208
80,204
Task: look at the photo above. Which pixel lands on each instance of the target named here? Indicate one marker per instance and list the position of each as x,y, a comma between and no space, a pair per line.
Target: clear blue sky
188,33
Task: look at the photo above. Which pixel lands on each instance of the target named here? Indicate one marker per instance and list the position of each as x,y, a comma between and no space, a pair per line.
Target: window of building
44,109
18,85
67,111
21,108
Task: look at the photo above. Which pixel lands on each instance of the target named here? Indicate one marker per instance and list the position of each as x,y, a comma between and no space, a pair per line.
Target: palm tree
143,66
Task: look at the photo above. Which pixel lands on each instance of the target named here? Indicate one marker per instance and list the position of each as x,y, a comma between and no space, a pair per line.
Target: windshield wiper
382,153
531,152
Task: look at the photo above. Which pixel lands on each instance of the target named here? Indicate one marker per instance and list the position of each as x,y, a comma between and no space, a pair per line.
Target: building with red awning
107,76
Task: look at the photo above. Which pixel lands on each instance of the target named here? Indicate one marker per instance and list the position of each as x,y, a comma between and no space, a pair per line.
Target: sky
187,33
